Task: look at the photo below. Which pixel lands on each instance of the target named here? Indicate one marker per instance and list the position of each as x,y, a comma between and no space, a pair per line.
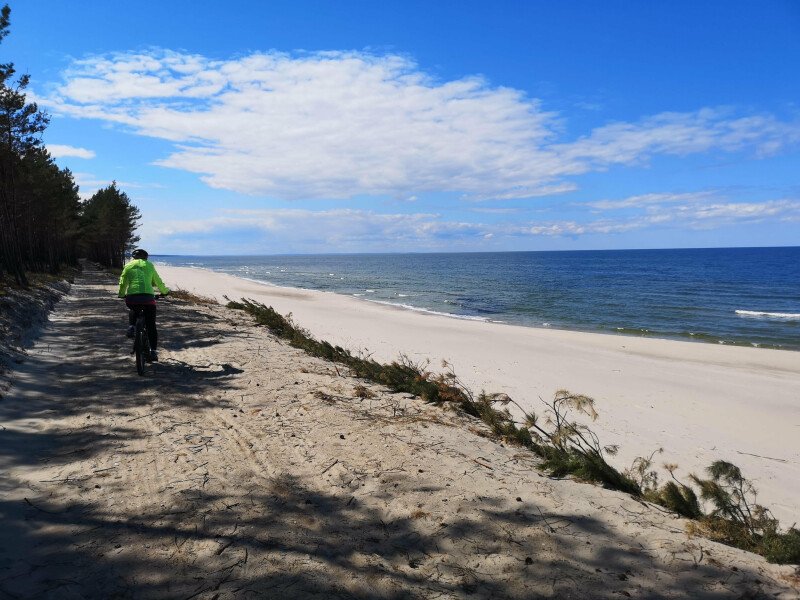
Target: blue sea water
744,296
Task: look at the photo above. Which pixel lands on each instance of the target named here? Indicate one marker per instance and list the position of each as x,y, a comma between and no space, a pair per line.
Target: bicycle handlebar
155,296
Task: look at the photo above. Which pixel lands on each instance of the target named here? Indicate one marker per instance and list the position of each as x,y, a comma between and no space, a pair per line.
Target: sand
240,467
699,402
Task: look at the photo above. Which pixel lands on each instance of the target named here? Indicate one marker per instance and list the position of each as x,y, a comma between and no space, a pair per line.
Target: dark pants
149,320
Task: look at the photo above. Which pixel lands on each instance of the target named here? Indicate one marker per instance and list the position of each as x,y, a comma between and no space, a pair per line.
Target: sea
737,296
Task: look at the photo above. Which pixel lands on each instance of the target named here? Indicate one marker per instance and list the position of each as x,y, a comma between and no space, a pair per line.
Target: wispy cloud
652,199
61,150
681,134
341,124
281,230
90,183
309,230
739,210
491,210
694,215
333,225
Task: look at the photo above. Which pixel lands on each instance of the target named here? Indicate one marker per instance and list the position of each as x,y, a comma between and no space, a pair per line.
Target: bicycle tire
139,346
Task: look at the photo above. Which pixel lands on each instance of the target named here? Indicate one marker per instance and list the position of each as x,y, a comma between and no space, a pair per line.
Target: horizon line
481,251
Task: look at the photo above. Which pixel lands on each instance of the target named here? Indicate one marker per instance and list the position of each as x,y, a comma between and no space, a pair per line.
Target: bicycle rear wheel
140,347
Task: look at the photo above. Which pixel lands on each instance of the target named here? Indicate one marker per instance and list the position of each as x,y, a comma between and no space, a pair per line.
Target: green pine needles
44,225
737,519
569,448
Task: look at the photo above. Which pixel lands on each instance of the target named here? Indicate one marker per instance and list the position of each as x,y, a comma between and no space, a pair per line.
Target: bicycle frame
141,341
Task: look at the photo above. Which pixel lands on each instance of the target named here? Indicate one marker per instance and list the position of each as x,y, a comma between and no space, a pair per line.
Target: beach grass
186,296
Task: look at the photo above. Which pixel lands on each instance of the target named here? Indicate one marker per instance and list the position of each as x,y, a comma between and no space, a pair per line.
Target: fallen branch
329,467
759,456
477,462
31,504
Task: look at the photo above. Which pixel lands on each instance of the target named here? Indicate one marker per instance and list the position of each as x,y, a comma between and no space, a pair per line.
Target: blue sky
283,127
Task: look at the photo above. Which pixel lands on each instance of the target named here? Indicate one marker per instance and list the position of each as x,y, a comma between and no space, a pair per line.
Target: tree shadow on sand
282,539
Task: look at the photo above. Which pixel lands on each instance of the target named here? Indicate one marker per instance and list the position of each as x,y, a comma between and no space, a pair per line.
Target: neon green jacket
138,277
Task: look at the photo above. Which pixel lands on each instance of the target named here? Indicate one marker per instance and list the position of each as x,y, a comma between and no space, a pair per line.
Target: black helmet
140,253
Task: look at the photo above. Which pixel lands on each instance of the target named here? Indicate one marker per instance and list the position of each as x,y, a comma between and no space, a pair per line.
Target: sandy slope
242,468
700,402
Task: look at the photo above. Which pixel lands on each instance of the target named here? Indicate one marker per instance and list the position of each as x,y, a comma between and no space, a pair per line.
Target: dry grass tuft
363,392
192,298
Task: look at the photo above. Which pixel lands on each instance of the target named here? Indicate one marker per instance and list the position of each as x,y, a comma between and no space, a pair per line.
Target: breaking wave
757,314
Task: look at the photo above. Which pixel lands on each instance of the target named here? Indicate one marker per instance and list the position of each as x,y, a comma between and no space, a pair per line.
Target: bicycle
141,341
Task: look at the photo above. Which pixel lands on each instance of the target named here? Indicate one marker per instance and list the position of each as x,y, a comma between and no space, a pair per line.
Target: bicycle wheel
139,349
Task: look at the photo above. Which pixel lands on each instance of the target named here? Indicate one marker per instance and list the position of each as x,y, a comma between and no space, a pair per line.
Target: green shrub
782,548
738,520
678,498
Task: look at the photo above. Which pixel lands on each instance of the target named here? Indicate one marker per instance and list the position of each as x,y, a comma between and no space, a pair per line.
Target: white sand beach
699,402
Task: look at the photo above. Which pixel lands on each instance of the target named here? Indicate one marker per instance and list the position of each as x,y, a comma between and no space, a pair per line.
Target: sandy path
240,467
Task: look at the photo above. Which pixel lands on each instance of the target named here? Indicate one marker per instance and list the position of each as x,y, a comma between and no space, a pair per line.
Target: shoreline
699,401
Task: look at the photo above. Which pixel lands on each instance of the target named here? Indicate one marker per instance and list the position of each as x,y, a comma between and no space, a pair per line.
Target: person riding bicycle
136,286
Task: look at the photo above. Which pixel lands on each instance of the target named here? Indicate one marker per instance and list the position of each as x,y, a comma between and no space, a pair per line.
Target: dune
700,402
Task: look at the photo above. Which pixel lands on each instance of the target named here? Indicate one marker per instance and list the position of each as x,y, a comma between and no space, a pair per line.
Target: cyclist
136,286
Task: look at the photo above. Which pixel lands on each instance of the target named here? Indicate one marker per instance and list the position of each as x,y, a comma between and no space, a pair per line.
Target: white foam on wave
429,311
759,314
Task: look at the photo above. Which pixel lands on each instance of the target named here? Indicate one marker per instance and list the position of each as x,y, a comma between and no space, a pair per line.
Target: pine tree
109,222
43,224
21,125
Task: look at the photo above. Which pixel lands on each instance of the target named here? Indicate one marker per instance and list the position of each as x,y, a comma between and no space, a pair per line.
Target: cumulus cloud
342,124
60,150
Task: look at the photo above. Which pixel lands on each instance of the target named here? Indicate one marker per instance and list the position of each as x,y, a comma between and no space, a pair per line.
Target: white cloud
290,230
572,228
61,150
494,210
696,215
341,124
680,134
651,199
741,210
286,229
90,183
